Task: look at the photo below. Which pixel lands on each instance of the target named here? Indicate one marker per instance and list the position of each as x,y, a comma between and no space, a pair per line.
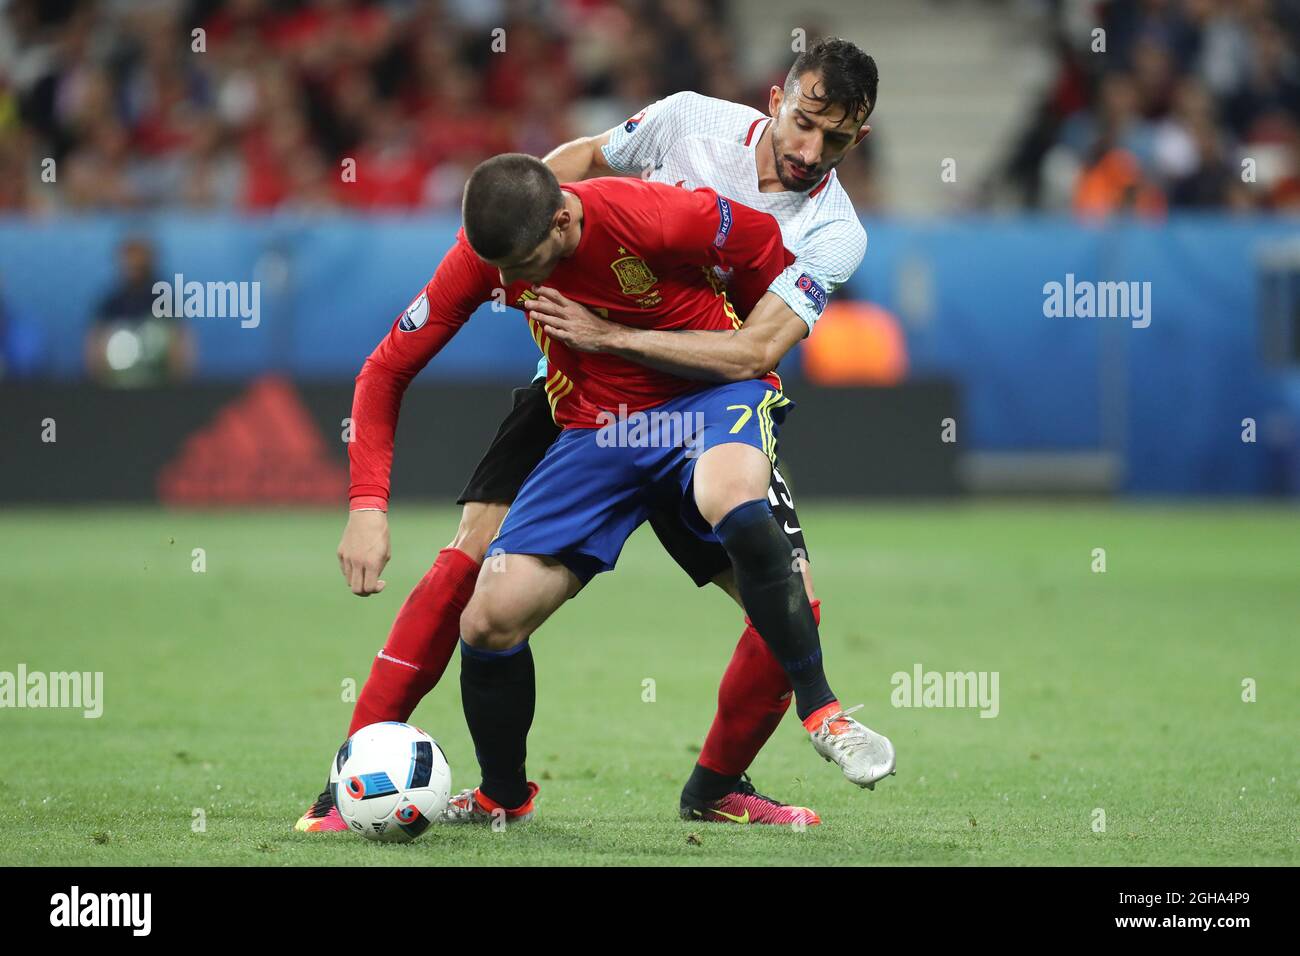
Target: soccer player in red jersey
641,253
816,118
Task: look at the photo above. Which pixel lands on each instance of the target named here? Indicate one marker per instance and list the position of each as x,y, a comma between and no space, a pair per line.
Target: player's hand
572,323
364,551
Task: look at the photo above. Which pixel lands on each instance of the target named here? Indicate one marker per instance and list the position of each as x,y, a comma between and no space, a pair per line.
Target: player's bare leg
420,643
516,593
479,523
731,483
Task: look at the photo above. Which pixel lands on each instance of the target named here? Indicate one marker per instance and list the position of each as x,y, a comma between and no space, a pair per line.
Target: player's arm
628,149
789,304
699,228
580,158
751,351
459,286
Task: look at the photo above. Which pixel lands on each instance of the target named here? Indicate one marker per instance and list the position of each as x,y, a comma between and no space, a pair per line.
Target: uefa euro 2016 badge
416,314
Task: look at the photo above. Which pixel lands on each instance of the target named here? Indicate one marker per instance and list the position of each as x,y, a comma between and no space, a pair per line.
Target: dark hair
847,77
508,205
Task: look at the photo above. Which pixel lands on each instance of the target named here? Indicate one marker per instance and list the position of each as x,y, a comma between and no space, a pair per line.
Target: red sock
421,642
752,699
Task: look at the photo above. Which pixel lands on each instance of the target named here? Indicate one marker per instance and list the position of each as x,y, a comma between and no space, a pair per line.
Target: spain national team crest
634,276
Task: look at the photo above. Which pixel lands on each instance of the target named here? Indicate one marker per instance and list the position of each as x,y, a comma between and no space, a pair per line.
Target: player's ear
862,134
774,98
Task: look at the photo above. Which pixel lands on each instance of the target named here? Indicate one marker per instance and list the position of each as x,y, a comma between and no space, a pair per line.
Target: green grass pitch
1119,691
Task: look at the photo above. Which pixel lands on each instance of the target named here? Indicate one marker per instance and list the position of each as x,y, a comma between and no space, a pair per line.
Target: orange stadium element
1114,184
856,343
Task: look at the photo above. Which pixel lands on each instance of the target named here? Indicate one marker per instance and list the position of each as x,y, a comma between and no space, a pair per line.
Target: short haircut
508,205
848,78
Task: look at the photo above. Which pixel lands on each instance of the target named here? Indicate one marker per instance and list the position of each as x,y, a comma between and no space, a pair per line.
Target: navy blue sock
498,693
774,598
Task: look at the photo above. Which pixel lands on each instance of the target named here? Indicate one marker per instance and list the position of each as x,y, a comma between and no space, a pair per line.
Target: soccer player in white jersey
783,164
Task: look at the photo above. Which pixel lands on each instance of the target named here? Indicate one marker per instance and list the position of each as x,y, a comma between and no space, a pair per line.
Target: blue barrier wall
1170,398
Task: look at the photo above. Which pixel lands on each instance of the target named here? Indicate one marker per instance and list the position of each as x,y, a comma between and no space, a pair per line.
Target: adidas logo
262,448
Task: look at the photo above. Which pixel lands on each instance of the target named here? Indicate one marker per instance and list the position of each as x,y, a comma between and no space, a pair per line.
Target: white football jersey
691,140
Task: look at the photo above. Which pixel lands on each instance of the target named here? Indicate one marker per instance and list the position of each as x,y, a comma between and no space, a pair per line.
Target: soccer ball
390,781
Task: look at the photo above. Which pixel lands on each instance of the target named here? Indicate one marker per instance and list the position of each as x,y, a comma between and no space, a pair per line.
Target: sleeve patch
815,293
633,122
724,222
416,314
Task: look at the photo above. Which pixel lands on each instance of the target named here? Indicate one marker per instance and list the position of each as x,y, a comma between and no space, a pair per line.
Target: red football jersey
645,258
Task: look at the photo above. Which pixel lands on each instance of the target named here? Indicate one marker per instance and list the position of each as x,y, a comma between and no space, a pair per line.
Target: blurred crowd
255,105
1174,104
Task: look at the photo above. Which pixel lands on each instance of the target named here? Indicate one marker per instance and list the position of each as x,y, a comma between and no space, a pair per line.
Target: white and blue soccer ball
390,781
